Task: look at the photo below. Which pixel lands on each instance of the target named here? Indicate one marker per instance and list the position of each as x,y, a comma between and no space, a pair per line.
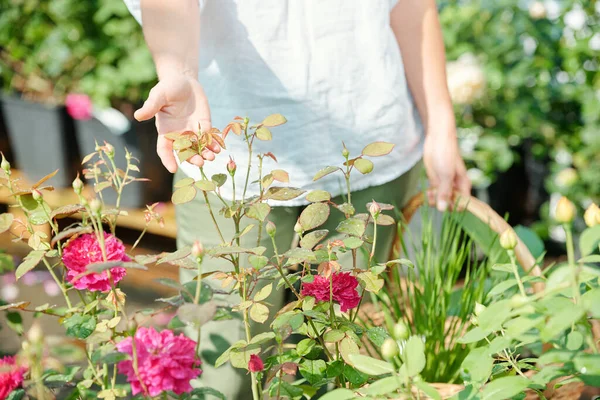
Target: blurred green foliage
51,48
542,92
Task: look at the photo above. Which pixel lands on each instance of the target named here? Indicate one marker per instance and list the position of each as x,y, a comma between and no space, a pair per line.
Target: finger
444,194
196,160
463,184
155,102
164,149
208,155
214,147
203,111
431,197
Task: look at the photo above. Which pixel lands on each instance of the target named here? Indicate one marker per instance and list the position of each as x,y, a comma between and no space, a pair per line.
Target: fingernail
442,205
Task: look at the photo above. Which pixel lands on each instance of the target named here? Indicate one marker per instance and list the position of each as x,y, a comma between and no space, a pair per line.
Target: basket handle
487,215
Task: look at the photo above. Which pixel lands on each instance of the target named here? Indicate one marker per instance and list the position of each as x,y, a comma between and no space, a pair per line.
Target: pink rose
343,290
85,250
164,361
79,106
11,376
255,364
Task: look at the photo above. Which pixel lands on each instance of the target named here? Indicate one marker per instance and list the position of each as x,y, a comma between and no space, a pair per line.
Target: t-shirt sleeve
135,8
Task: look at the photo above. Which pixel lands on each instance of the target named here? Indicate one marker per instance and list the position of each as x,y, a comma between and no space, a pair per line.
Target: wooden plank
133,220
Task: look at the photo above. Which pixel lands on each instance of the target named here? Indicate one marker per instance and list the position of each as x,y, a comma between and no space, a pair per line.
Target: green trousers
195,223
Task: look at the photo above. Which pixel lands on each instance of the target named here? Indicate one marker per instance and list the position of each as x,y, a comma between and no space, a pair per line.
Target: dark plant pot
5,146
42,140
140,140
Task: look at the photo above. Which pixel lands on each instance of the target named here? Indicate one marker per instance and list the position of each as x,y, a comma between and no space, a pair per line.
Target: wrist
167,68
440,120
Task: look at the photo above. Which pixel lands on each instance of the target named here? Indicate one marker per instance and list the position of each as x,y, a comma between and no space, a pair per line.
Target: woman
340,70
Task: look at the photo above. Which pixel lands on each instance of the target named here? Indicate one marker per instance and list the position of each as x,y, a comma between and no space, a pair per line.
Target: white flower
566,178
9,292
466,79
575,19
537,10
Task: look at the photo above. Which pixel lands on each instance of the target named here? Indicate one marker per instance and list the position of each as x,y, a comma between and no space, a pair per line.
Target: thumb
444,194
155,102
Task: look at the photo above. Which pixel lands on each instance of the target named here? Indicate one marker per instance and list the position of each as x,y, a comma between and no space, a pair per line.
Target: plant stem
213,217
280,270
249,141
140,237
58,282
513,262
572,265
374,241
255,394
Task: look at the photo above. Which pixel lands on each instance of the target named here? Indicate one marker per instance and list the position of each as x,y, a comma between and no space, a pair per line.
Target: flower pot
42,140
140,140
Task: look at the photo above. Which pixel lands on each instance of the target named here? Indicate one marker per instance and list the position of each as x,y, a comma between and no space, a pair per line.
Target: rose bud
400,331
77,185
298,228
37,195
96,206
198,250
231,166
374,210
508,239
389,349
271,229
255,364
592,215
565,211
5,165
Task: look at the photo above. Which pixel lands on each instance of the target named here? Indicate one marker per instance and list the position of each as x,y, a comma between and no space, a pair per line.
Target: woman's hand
445,167
179,104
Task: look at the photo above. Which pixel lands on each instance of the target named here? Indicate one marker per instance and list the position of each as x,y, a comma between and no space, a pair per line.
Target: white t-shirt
332,67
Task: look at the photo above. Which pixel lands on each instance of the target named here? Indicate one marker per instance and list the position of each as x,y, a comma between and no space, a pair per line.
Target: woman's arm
172,32
417,29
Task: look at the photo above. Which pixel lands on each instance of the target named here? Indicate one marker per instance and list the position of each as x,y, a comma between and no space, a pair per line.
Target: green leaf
429,390
240,357
263,133
305,346
495,315
333,336
354,376
205,186
591,301
522,324
363,165
262,338
414,355
589,241
284,389
593,258
370,366
370,282
80,326
324,172
258,211
15,321
37,213
30,262
311,239
531,240
299,255
172,283
474,335
478,365
382,386
574,340
352,243
313,216
202,392
503,268
183,195
259,313
283,193
313,370
502,286
316,196
588,364
352,226
219,179
377,149
17,394
504,388
561,320
184,182
346,208
258,262
338,394
377,335
335,369
274,120
6,221
263,293
196,314
348,346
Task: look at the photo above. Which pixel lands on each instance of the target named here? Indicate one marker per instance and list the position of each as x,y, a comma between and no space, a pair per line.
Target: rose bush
111,352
